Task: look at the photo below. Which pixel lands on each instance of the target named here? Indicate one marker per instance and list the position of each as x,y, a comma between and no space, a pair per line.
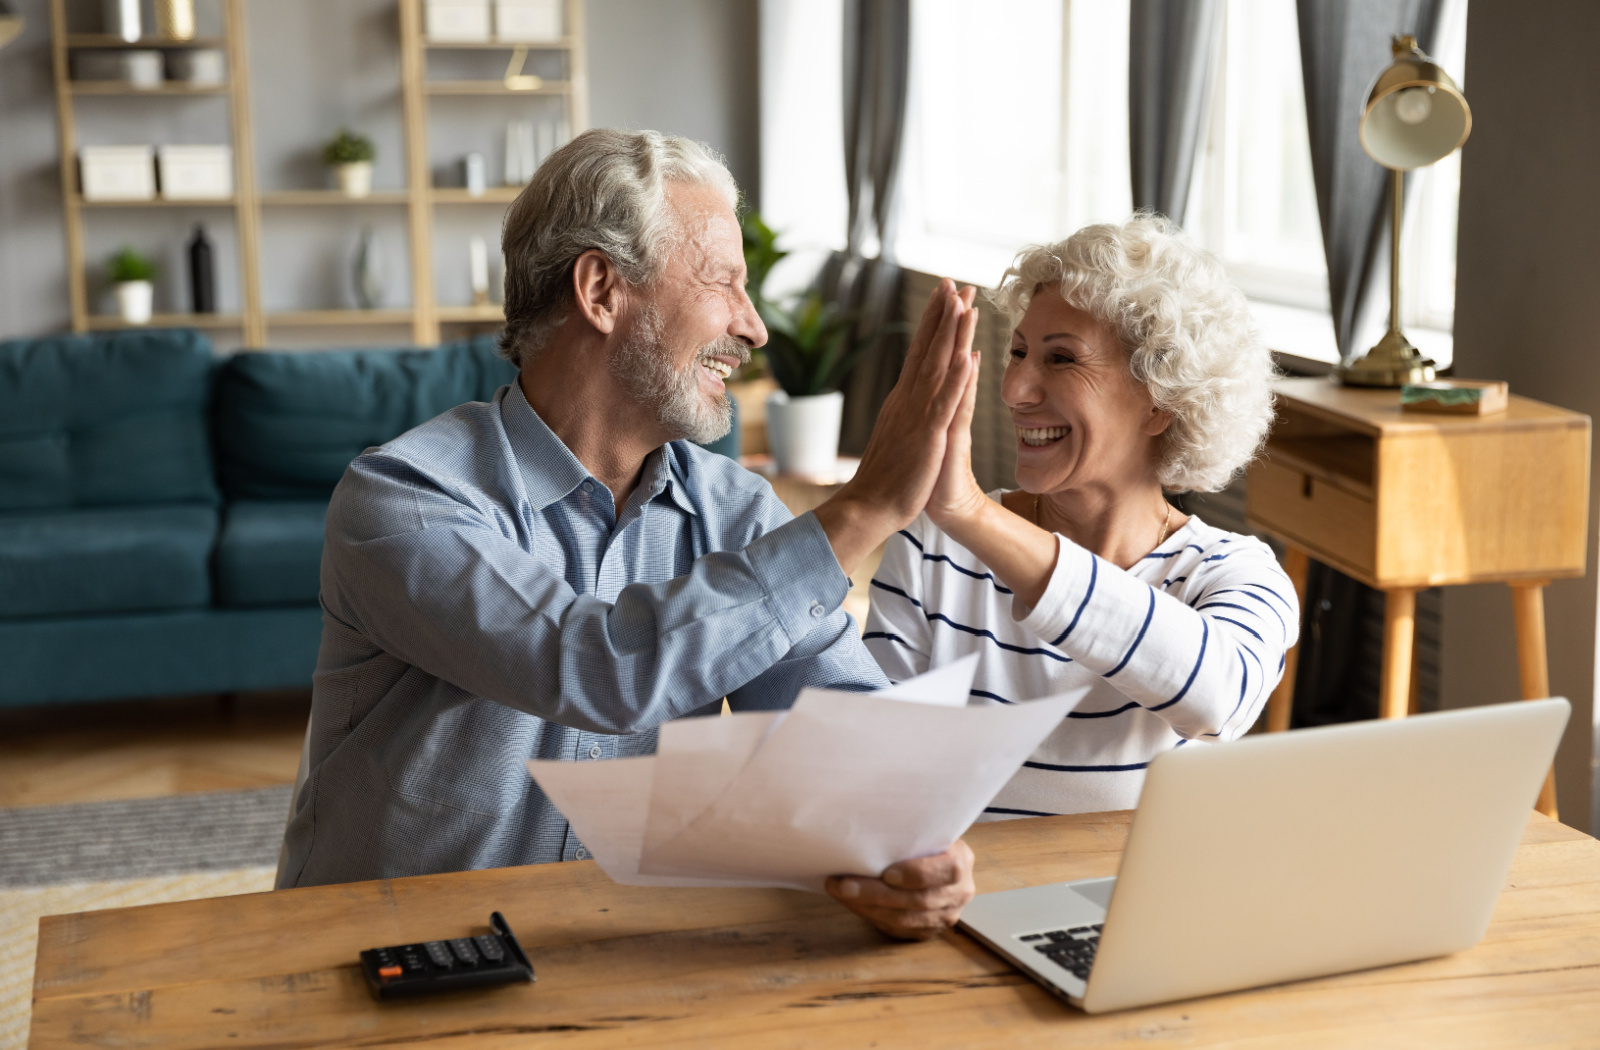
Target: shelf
117,87
493,87
148,42
317,318
493,312
161,202
491,195
565,43
297,198
106,322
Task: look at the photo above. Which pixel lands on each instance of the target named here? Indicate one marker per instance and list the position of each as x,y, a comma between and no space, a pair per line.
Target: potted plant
811,347
350,156
131,275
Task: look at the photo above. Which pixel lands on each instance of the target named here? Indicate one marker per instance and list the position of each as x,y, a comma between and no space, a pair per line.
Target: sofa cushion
105,559
105,420
289,423
270,552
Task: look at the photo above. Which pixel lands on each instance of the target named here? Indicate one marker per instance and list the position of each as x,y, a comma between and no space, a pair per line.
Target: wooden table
771,968
1407,500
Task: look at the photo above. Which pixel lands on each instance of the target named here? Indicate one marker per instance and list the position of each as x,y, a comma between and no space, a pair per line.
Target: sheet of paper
947,686
843,783
607,803
849,784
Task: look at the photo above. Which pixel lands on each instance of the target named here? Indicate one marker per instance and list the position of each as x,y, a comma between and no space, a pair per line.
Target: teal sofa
161,509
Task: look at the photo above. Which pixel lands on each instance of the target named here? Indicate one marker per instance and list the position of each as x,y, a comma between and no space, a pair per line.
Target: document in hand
840,784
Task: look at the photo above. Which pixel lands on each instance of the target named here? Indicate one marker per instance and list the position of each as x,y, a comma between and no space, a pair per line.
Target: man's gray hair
604,190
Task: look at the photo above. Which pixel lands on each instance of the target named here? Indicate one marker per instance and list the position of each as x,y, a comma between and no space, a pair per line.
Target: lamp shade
1415,114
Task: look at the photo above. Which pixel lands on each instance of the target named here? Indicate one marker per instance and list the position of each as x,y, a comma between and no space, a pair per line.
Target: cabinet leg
1527,604
1280,705
1399,631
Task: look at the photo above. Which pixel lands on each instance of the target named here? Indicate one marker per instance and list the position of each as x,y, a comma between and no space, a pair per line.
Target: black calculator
444,966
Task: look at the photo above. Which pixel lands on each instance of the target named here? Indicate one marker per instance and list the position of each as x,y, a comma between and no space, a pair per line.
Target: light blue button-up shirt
484,604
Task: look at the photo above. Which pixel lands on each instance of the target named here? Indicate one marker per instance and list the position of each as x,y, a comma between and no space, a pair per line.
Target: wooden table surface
627,966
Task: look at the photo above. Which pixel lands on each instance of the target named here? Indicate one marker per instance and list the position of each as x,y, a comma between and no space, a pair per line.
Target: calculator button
490,946
440,954
464,951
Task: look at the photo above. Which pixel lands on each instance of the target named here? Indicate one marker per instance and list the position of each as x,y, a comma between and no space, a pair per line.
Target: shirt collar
550,471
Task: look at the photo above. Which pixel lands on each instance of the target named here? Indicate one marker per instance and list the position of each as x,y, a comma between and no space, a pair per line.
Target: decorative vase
803,433
175,19
134,300
202,274
122,19
355,178
367,273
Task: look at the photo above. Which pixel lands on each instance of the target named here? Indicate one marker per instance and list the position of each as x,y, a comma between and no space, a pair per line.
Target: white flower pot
355,180
134,300
803,432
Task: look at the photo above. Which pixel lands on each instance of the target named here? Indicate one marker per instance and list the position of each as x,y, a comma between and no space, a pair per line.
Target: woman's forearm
1020,554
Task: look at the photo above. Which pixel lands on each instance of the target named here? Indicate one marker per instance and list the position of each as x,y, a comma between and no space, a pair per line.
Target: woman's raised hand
906,450
956,493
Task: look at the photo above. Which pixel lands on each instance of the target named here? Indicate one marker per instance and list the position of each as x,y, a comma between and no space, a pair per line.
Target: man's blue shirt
484,604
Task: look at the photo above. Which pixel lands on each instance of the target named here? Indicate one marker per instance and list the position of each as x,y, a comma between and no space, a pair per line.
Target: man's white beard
642,366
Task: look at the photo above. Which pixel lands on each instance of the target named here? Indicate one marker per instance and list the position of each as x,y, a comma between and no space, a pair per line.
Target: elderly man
556,573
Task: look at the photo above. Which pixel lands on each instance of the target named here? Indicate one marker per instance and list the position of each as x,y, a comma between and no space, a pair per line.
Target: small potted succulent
350,156
131,276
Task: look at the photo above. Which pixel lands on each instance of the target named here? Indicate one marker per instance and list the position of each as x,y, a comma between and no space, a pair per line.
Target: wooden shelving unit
242,203
419,197
416,90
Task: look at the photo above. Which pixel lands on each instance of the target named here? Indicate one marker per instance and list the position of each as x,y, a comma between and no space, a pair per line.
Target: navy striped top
1184,646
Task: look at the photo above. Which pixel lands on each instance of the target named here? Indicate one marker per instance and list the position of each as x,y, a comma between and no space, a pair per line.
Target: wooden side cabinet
1403,501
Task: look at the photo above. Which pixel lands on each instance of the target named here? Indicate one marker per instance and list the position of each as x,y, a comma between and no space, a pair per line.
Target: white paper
843,783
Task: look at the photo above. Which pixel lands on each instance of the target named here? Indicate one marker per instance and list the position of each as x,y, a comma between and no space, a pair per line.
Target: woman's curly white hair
1185,326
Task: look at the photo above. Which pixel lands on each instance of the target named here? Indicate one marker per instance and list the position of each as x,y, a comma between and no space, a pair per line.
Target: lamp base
1394,362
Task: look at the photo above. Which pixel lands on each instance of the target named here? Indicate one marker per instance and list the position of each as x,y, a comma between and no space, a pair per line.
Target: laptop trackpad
1095,891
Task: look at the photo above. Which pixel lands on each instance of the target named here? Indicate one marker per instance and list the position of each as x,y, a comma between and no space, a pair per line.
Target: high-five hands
903,457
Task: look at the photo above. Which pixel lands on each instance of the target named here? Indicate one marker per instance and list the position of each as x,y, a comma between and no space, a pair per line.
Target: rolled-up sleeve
447,588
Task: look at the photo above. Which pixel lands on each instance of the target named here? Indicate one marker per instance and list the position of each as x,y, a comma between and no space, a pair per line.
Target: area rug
55,860
105,841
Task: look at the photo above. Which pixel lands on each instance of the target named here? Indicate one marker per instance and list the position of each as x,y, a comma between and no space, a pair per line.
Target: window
1017,132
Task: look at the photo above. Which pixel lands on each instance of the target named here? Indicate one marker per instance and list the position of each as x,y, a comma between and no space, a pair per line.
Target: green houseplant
351,156
811,347
131,276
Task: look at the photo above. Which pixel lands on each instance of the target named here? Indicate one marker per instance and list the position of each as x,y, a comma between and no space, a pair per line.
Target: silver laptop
1291,855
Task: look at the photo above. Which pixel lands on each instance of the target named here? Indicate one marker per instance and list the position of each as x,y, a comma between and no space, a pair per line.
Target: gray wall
688,66
1528,311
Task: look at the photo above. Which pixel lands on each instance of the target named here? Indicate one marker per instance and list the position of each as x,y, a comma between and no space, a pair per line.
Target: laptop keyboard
1072,949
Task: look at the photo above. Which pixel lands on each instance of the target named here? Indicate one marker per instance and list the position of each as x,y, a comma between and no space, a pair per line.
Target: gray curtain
1344,45
877,59
1172,58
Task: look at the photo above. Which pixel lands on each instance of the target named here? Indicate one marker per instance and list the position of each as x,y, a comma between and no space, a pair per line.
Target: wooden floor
64,753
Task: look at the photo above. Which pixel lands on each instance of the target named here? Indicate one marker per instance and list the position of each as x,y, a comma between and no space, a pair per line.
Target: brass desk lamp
1415,116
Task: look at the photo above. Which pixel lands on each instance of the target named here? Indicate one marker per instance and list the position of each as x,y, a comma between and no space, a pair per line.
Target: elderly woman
1133,370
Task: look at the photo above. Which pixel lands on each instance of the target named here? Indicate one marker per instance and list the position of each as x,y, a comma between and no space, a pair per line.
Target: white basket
457,20
117,173
196,173
527,21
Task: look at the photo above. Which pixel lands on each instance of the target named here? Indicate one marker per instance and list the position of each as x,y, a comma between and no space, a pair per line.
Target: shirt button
588,486
581,853
595,752
817,609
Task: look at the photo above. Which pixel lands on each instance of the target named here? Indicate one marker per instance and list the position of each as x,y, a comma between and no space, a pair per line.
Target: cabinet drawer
1332,524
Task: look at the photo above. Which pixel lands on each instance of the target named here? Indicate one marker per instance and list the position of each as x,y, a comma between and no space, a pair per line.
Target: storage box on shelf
192,173
117,173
